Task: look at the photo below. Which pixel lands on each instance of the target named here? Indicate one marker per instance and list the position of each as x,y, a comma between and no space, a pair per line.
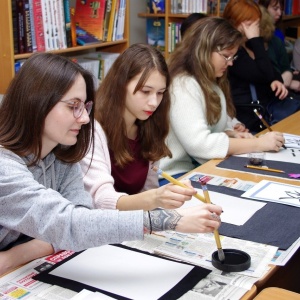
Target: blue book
156,33
156,6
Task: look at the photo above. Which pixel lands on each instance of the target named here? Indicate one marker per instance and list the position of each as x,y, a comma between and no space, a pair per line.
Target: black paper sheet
274,224
182,287
238,164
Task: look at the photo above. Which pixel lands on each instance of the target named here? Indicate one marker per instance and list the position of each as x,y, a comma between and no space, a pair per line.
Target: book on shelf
32,26
85,38
60,19
39,25
107,14
288,6
106,60
46,25
27,27
121,21
67,16
111,20
155,30
89,15
173,35
116,20
296,7
15,26
222,5
53,25
73,27
156,6
22,25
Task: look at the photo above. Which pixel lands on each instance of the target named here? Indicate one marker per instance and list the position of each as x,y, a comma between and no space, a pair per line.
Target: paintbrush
221,254
204,199
265,123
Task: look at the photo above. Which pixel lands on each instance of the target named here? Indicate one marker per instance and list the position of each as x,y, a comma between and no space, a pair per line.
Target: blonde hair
267,26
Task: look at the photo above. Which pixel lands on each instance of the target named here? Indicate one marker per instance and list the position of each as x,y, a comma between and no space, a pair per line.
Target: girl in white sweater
201,102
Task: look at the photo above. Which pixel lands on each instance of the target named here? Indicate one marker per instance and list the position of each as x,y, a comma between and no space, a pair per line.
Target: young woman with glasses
201,101
46,128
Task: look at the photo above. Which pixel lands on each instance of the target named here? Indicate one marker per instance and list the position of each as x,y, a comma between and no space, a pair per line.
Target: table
277,294
288,125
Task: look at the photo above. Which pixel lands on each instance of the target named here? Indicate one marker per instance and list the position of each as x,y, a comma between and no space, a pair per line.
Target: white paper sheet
236,211
291,154
292,140
275,192
127,273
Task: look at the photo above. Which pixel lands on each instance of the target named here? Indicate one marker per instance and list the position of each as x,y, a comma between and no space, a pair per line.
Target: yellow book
112,17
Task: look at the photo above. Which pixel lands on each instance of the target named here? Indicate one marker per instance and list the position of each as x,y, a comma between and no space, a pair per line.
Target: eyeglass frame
228,58
88,106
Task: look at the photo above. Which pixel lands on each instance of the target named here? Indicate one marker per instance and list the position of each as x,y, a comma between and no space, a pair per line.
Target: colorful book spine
89,16
38,25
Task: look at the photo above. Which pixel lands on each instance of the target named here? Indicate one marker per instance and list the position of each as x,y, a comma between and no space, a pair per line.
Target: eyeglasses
78,106
228,58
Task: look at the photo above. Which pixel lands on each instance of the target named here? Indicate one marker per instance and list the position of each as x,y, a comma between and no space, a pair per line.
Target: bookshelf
174,18
8,58
287,21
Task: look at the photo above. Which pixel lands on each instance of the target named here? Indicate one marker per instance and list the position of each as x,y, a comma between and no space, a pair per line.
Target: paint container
235,261
257,159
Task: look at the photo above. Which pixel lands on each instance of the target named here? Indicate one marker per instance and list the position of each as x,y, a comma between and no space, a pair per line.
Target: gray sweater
48,202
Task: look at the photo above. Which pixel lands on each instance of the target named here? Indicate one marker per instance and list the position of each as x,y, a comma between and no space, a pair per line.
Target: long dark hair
41,83
111,98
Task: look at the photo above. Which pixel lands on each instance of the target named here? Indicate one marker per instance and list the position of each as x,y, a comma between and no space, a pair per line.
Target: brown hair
193,57
238,11
111,99
267,3
39,85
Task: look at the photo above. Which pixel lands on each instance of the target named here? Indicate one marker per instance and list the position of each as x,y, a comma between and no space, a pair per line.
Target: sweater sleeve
96,168
32,209
189,124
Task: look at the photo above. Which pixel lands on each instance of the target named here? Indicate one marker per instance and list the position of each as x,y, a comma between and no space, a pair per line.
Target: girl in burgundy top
132,110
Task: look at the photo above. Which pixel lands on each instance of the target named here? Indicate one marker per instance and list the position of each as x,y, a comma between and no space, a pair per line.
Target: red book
38,25
295,7
89,15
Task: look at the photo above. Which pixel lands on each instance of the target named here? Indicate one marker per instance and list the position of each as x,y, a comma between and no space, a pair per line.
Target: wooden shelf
170,17
8,58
